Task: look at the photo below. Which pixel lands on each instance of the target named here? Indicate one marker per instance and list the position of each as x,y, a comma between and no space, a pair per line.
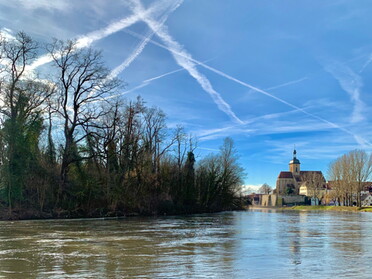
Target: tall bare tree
83,80
361,171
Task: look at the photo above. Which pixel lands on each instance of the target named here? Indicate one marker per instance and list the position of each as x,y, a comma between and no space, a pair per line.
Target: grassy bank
331,208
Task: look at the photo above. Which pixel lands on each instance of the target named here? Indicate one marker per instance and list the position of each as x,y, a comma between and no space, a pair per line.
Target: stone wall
274,200
295,199
265,200
269,200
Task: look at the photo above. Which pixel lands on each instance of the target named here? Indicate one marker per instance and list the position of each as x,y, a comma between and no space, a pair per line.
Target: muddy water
250,244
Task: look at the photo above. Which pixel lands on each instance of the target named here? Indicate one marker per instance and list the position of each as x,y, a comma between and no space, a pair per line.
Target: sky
269,74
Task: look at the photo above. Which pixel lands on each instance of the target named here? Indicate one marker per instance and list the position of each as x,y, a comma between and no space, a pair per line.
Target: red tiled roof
303,174
285,174
309,172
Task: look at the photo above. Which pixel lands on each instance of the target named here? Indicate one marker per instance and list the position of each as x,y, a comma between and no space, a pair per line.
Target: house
366,194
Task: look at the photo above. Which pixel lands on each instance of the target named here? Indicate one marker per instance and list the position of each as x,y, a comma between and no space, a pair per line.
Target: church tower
294,164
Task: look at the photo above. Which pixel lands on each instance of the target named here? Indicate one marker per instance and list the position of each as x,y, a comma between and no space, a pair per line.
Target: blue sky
269,74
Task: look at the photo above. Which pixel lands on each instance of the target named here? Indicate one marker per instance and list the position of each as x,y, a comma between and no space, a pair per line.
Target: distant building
297,182
366,194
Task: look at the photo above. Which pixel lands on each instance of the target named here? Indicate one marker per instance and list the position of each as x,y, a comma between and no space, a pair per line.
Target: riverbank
318,207
33,214
331,208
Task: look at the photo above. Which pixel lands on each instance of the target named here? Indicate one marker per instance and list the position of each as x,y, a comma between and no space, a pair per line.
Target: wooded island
71,147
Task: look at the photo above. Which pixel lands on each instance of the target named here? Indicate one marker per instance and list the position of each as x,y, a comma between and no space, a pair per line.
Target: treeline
70,148
348,175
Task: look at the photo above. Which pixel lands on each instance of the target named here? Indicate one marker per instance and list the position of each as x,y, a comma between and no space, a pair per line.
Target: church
297,182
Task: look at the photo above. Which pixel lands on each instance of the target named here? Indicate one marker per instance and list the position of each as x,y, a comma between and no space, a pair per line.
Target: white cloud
43,4
7,34
250,188
87,39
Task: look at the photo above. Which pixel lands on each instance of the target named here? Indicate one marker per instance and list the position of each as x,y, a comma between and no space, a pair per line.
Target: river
247,244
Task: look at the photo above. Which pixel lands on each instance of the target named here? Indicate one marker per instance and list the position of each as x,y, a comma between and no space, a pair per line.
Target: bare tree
130,135
83,80
315,183
154,136
348,173
265,189
232,172
336,181
361,171
180,146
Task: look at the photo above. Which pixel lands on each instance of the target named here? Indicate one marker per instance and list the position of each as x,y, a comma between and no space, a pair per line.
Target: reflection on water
251,244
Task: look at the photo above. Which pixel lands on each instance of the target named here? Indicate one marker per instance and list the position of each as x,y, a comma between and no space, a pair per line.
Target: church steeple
294,164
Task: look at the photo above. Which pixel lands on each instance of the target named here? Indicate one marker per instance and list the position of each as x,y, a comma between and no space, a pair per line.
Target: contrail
351,83
146,82
359,139
122,93
138,50
171,72
164,75
185,60
285,102
369,60
287,83
140,47
88,39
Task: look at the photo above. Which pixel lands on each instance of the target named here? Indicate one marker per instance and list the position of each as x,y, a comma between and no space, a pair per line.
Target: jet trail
286,84
146,82
137,51
164,75
352,84
140,47
170,73
185,60
123,93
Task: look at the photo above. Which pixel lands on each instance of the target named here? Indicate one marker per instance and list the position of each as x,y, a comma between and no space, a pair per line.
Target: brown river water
247,244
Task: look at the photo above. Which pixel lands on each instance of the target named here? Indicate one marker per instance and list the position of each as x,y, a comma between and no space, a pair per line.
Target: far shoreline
318,208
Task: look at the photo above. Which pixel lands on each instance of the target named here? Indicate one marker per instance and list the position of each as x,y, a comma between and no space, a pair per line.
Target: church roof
295,161
285,174
305,173
303,176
